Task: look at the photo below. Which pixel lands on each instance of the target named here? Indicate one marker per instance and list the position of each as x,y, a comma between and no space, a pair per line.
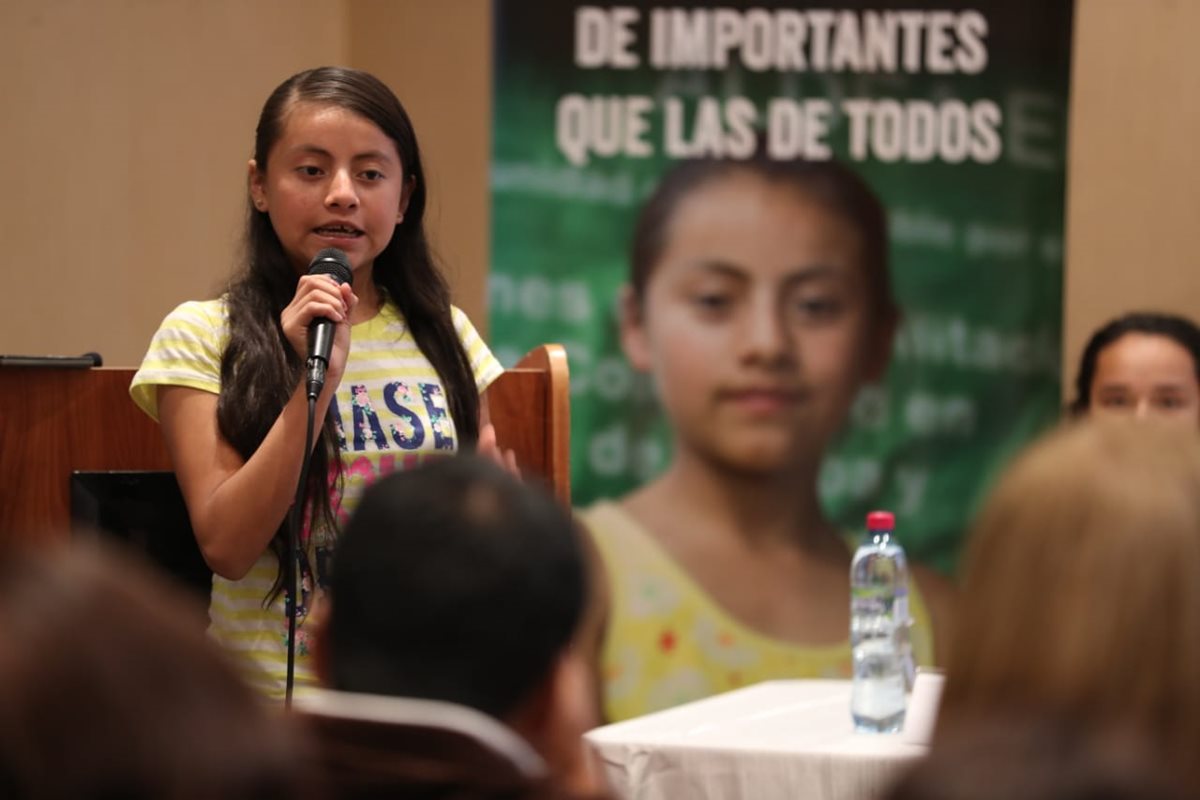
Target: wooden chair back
530,406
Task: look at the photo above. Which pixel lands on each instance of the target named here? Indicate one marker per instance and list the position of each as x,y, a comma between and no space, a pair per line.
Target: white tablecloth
785,739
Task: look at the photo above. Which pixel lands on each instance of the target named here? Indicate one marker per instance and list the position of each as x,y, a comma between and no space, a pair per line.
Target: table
785,739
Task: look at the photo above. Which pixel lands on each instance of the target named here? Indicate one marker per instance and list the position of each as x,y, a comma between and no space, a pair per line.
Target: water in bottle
879,623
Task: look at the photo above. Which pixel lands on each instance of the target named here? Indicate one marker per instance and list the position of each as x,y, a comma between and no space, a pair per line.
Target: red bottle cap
881,521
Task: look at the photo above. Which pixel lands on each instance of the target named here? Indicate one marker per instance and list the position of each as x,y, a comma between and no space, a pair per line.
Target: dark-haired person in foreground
455,601
110,689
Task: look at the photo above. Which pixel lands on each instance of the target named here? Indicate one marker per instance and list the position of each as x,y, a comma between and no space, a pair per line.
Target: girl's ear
256,181
879,347
406,193
632,323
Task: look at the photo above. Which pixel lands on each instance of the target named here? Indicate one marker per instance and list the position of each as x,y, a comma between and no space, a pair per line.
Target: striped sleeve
483,363
185,351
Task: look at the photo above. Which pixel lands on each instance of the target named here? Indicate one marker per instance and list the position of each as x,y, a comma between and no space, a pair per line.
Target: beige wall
124,167
1133,208
126,133
437,57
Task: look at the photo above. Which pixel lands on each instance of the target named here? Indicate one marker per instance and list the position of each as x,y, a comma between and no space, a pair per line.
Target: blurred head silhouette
1081,591
110,688
1035,760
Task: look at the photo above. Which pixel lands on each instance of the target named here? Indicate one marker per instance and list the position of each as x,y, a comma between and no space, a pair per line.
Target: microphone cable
293,553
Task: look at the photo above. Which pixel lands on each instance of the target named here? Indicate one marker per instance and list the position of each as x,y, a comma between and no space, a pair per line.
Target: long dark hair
830,183
1178,329
259,369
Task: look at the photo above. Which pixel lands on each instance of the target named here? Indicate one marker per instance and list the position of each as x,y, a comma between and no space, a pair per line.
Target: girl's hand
320,296
487,448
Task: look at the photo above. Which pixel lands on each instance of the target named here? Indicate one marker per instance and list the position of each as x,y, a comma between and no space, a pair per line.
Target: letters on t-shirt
411,412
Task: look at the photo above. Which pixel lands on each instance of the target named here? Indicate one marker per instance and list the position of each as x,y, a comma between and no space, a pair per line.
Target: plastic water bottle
879,623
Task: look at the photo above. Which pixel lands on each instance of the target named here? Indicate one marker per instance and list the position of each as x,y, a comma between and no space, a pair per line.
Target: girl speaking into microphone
336,165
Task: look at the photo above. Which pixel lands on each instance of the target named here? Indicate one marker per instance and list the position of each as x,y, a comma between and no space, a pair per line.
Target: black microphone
333,262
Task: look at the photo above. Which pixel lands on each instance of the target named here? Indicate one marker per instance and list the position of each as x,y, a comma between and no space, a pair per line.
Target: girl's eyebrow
370,155
720,266
797,276
812,272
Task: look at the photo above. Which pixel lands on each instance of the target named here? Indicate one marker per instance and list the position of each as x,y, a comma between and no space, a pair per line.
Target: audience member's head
1081,590
457,583
109,688
1003,759
1141,364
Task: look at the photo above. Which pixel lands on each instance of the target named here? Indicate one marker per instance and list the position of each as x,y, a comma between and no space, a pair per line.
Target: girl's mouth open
338,232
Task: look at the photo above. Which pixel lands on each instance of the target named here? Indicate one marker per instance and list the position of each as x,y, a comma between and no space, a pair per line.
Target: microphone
333,262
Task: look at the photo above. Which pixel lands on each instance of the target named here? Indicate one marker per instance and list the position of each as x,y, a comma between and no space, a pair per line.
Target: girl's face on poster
1143,375
333,179
756,324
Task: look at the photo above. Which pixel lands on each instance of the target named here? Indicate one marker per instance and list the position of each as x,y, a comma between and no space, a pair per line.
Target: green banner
958,119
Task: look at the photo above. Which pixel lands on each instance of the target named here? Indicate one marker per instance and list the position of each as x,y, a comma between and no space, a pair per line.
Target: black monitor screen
144,509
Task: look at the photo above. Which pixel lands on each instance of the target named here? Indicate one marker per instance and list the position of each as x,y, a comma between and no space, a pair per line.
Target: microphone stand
293,549
332,262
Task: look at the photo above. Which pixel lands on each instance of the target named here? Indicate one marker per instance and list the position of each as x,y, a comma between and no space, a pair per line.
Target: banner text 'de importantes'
782,40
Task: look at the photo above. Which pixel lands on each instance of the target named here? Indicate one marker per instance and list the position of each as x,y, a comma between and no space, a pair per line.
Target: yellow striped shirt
393,413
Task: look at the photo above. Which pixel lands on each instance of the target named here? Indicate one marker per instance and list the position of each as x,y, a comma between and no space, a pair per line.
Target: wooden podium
55,421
